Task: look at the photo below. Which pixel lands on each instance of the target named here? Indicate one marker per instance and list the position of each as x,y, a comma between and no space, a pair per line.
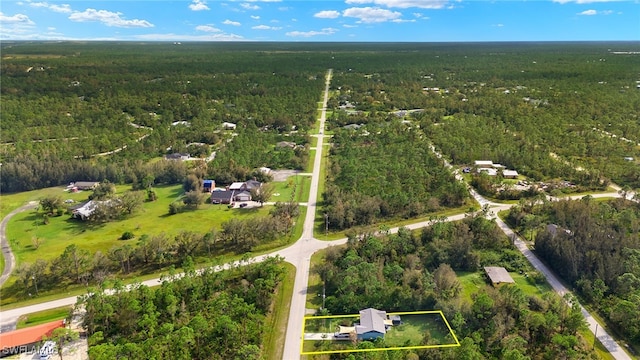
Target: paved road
616,351
304,248
9,259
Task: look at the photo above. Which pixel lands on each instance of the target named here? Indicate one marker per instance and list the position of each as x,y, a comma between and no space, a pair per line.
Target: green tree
62,337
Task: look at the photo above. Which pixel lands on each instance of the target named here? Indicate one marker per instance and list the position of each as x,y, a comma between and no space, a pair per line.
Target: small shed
208,185
498,275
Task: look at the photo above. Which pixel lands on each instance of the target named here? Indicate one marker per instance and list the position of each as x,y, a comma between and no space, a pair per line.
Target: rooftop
498,275
28,335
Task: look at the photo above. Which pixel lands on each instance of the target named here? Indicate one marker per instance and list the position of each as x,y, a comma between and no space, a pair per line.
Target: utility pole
35,283
595,337
326,223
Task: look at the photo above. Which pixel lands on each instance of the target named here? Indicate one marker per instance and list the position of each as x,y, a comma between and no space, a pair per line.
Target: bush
127,235
175,207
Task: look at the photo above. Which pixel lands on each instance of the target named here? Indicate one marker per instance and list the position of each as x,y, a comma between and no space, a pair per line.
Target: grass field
282,190
153,219
274,338
43,317
472,282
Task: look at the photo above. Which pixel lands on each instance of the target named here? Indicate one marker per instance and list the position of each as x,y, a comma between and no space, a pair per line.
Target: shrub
175,207
127,235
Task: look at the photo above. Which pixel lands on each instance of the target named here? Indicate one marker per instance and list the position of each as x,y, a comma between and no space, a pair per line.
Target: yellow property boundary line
457,343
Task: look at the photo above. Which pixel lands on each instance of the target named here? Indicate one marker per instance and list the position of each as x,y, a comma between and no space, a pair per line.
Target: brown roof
28,335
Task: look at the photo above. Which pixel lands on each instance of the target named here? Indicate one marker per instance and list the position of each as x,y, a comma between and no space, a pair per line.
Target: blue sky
301,20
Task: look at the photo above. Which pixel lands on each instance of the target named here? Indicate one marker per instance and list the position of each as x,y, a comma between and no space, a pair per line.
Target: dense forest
209,315
70,107
560,110
415,271
594,246
386,170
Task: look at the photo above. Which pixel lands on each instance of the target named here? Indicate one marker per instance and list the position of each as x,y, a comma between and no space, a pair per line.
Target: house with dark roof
222,196
177,156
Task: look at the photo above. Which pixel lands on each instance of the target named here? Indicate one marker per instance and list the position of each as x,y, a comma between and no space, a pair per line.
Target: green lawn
312,157
273,339
283,189
153,219
472,282
413,329
43,317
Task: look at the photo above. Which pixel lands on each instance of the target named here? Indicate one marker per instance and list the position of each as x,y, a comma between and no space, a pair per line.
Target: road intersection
299,254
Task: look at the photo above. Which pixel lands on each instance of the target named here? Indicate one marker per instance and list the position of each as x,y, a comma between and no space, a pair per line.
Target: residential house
286,144
484,164
237,191
222,196
177,156
84,185
242,196
372,324
498,275
228,126
488,171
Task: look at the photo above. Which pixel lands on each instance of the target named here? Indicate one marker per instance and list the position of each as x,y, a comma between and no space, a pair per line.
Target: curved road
299,254
9,259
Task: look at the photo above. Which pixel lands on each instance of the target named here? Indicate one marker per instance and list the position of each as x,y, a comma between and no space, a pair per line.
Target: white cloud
588,12
198,5
232,23
403,20
178,37
255,17
582,1
349,26
404,4
325,31
61,8
108,18
51,28
327,14
266,27
17,19
248,6
207,28
371,15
